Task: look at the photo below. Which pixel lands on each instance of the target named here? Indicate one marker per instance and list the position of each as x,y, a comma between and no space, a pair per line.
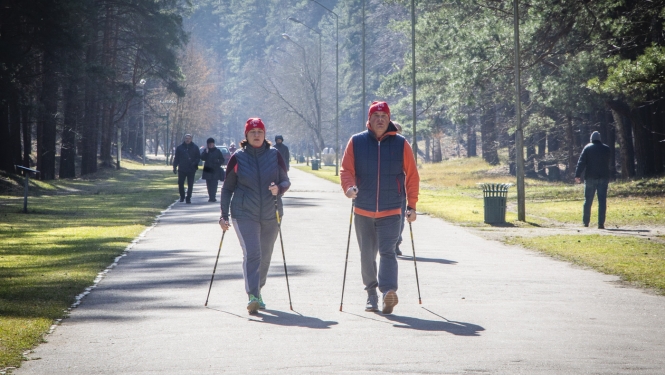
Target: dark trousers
212,188
181,183
378,237
591,186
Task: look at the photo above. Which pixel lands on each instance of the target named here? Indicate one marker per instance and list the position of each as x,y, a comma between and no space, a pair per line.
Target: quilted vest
256,168
379,169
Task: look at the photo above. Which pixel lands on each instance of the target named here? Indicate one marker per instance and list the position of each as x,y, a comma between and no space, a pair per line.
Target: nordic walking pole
215,269
346,261
279,227
414,263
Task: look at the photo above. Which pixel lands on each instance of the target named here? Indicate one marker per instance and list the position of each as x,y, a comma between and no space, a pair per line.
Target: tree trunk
553,170
623,134
110,42
156,144
541,142
570,140
46,140
6,154
488,136
68,141
531,163
640,141
471,141
15,126
91,114
26,123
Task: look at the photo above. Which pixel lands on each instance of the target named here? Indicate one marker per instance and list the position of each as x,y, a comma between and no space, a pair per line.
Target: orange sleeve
412,178
347,173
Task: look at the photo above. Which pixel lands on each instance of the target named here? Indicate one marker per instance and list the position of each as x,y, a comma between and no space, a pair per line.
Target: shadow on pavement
283,319
293,320
628,230
456,328
300,202
426,260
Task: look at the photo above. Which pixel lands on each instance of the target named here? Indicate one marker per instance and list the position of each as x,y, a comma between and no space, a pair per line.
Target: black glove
175,171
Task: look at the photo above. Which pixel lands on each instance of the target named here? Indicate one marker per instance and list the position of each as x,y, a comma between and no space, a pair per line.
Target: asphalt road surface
487,308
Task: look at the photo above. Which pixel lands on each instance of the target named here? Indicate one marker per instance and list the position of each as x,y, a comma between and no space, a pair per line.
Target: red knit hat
378,106
254,123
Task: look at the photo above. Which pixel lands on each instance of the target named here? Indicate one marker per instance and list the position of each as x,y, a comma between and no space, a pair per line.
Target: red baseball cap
254,123
378,106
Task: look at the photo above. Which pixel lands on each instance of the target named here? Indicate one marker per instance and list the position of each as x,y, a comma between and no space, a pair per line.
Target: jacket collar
392,130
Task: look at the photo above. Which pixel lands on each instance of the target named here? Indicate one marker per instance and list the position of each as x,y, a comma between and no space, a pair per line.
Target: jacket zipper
258,173
378,177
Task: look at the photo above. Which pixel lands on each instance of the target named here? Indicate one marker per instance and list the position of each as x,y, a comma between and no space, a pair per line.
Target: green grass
636,260
325,172
449,190
74,229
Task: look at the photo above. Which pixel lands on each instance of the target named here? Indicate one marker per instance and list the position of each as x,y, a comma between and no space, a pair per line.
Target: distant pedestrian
185,164
232,148
212,169
379,172
281,147
595,163
255,177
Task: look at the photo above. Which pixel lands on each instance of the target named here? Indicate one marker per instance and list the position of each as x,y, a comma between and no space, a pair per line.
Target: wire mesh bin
495,196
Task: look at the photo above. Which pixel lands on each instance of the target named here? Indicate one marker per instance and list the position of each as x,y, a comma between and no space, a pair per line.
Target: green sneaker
253,304
262,305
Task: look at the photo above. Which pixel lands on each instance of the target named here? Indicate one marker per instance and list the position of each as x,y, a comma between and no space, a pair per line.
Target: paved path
487,308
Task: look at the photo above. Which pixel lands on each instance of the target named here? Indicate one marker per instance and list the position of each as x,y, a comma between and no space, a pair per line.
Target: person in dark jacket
595,163
379,172
212,168
281,147
185,164
255,181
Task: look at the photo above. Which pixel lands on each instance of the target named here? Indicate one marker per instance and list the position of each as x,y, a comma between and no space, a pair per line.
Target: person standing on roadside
283,149
185,164
379,172
256,178
595,163
212,168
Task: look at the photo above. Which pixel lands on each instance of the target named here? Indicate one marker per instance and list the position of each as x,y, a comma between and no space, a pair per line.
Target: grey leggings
257,239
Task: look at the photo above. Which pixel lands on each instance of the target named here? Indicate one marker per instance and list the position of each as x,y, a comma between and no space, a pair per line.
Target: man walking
281,147
185,164
594,162
379,172
212,168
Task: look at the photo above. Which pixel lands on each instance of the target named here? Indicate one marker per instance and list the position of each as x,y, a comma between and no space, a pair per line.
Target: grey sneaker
389,301
372,303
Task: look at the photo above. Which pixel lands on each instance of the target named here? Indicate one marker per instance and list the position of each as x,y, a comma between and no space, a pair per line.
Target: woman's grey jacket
249,174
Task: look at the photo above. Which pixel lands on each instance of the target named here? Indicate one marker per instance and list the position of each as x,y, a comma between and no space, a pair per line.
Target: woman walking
255,177
212,168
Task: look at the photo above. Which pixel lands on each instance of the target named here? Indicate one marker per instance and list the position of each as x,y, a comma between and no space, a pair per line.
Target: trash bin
315,164
495,196
301,158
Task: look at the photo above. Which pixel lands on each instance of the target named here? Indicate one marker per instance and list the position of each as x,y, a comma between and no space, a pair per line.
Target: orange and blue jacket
383,169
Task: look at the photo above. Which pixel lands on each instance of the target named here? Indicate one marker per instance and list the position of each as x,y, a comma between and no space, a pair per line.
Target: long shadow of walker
426,260
282,318
451,326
